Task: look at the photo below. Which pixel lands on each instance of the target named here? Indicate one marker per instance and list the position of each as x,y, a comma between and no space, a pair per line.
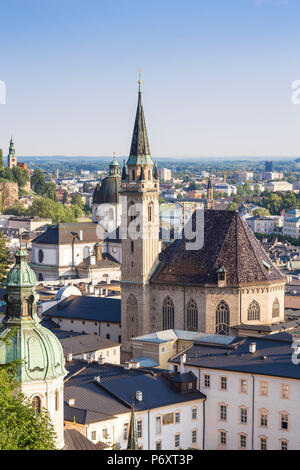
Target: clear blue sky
216,77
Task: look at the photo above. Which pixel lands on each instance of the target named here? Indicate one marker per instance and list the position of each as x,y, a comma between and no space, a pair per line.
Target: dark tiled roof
228,243
86,343
87,308
74,440
273,356
113,395
107,261
61,234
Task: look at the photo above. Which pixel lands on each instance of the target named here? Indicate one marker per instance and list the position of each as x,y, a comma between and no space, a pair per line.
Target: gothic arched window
132,316
36,405
192,316
254,311
168,314
276,308
222,318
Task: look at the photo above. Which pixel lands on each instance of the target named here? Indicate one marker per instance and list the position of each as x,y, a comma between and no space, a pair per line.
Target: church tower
11,158
210,195
139,196
41,371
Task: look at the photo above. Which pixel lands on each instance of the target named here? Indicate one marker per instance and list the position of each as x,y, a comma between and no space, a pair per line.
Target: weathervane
140,73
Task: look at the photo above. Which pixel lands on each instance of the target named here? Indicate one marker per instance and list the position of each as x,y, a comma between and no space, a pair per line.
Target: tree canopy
3,259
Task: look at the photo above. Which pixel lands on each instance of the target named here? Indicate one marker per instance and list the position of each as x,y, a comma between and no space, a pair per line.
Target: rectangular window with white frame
158,425
285,391
125,432
244,386
243,415
223,383
139,428
206,381
223,412
223,438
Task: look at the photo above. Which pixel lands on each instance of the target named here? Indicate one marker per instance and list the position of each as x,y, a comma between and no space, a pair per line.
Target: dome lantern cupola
38,349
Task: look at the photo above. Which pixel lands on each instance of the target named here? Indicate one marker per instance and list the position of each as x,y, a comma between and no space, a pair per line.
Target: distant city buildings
269,167
282,186
165,174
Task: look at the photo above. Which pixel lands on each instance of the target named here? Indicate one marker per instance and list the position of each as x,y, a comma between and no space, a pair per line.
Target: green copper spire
140,150
124,174
132,439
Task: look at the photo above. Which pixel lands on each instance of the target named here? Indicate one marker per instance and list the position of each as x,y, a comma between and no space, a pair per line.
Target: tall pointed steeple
140,150
132,439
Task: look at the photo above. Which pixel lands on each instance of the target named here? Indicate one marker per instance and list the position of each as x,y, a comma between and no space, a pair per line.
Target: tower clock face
114,250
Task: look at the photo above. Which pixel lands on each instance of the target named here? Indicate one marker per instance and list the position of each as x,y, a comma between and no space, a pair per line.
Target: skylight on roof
266,265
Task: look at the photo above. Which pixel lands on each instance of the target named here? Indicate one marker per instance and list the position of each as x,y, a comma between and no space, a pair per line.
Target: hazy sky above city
217,76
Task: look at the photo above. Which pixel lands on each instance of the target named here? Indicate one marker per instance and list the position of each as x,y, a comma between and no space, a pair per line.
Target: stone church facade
227,283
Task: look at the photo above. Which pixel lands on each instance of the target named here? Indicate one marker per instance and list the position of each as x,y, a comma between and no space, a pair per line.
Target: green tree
7,174
232,206
76,200
257,190
85,187
21,176
38,182
261,212
65,197
20,428
51,191
57,212
1,159
272,202
16,209
3,259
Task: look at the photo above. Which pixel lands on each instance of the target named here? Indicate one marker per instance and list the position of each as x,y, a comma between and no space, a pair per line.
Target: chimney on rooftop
252,348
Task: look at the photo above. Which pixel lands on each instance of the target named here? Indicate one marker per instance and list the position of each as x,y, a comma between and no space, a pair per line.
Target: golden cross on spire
140,73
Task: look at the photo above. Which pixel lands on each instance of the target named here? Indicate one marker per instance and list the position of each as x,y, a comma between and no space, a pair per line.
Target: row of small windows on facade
243,441
263,417
222,315
243,386
132,212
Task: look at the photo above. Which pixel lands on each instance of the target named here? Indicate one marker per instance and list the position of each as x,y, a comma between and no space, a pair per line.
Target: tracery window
222,318
254,311
192,316
276,308
168,314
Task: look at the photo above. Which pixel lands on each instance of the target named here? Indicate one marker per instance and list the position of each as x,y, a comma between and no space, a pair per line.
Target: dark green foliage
3,259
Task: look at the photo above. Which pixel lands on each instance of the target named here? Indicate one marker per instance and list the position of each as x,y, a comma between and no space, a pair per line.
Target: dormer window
221,277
